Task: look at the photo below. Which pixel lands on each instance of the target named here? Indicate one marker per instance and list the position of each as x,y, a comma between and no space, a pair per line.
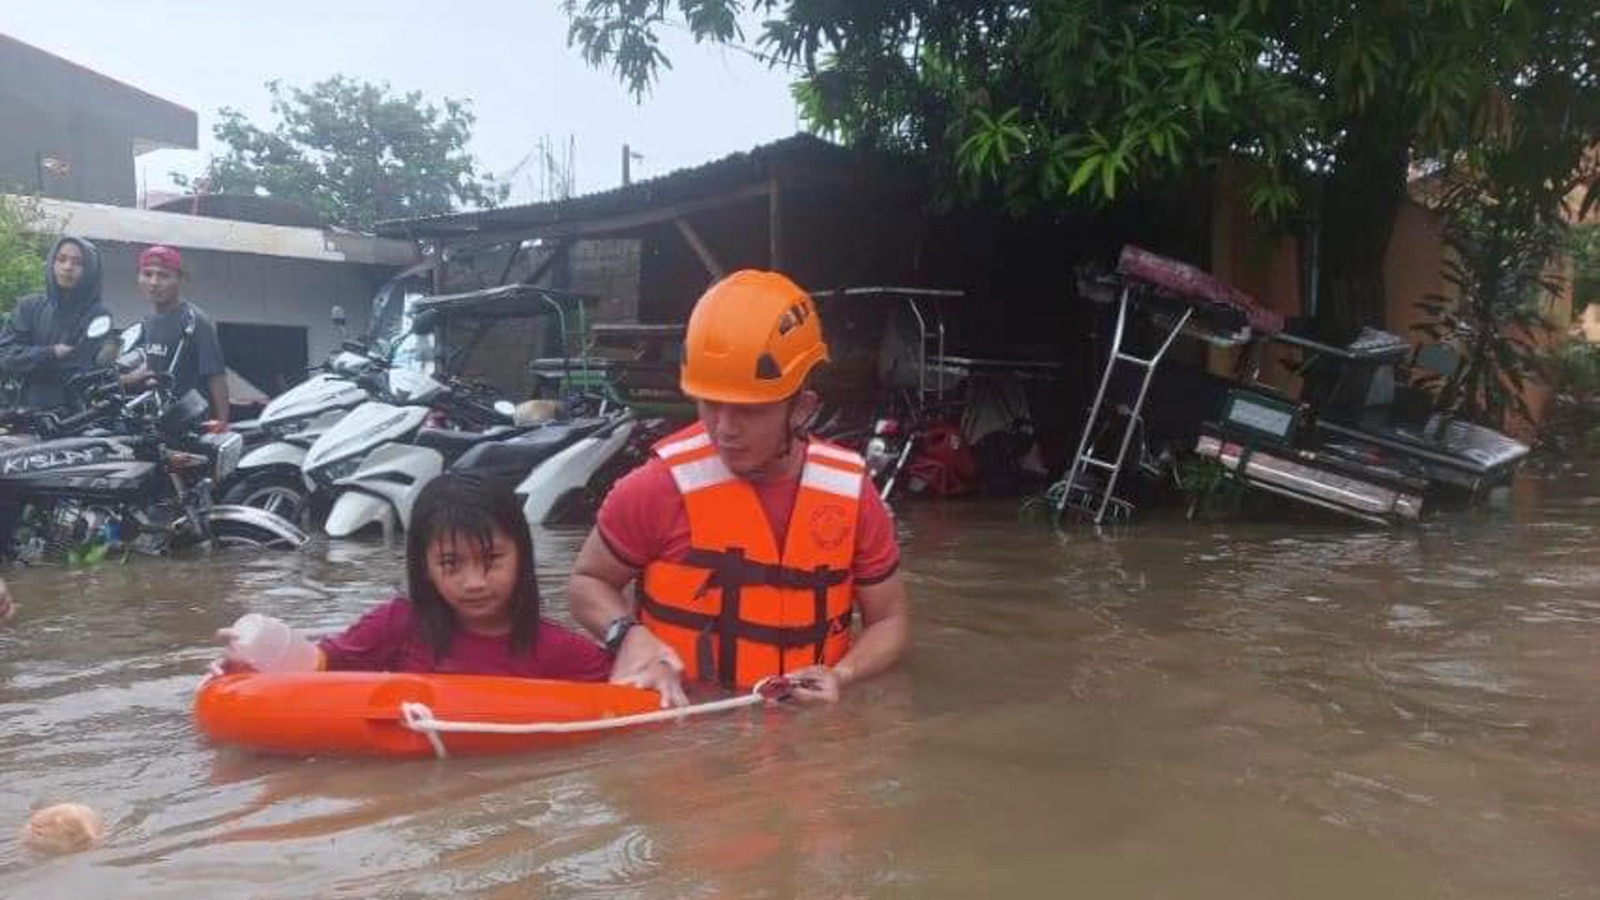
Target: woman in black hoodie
44,341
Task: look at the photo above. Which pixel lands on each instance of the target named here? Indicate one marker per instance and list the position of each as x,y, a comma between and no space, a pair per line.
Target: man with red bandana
177,338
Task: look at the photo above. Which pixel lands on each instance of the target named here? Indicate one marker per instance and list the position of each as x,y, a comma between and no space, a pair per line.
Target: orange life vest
733,608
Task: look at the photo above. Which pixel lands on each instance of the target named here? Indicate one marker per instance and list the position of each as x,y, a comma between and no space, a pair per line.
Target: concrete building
269,288
71,133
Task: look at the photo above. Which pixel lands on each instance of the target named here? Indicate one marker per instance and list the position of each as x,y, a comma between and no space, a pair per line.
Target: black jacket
54,317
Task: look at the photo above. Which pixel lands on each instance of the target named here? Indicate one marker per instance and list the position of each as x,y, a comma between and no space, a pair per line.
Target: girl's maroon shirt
387,639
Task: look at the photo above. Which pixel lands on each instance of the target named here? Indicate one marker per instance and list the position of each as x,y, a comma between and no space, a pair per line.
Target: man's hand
644,661
7,607
61,351
817,684
138,378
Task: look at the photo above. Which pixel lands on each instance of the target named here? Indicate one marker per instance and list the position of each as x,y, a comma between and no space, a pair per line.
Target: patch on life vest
830,526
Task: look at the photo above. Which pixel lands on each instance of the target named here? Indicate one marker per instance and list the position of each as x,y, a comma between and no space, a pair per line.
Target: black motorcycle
125,474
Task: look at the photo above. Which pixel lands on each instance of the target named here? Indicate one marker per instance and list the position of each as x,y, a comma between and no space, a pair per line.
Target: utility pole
628,156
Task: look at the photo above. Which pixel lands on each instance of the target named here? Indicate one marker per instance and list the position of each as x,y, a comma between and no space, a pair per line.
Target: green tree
1498,270
354,152
1042,101
23,244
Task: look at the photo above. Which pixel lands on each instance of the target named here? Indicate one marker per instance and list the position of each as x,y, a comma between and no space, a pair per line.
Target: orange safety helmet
753,338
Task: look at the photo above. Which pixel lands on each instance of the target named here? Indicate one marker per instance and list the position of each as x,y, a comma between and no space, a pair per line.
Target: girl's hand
643,661
230,663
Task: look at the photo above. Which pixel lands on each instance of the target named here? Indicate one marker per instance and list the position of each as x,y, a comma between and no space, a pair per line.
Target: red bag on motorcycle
943,463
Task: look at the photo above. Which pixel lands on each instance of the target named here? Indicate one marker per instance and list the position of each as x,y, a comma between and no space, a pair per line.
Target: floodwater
1185,710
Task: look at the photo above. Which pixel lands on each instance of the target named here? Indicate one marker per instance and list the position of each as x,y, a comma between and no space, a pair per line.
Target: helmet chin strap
797,435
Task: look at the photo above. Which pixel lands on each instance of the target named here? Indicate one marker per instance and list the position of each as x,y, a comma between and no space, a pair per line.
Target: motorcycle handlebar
78,419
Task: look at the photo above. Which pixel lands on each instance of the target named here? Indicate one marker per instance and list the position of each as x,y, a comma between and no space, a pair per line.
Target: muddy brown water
1213,710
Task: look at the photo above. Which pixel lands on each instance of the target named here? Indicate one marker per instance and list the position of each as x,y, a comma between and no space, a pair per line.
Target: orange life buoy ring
359,713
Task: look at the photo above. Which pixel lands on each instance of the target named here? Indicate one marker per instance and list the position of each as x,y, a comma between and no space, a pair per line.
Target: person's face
68,265
751,436
159,283
477,586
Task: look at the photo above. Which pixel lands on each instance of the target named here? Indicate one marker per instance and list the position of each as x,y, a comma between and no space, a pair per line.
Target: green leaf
1086,170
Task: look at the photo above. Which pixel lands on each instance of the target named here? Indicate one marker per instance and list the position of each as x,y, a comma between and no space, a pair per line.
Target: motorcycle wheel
242,534
278,490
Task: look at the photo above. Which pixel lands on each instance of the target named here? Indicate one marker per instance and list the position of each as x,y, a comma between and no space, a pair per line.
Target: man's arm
212,367
594,591
218,385
885,630
595,599
18,352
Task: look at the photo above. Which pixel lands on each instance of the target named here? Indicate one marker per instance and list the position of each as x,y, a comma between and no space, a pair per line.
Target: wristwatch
617,630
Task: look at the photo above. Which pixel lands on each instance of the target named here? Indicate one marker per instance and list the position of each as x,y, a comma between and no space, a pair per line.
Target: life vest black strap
785,637
731,567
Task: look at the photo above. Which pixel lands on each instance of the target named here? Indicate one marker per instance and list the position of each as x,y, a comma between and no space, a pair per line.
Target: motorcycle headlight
284,427
877,455
328,474
225,449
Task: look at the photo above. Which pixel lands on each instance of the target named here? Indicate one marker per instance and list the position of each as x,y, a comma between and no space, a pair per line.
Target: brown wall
1266,266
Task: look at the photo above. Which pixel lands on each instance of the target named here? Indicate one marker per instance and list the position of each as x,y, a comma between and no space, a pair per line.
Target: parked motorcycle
269,476
546,463
408,406
924,453
142,484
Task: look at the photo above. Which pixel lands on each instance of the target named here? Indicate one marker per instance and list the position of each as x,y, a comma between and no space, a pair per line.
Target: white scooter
268,477
405,404
552,481
385,446
547,465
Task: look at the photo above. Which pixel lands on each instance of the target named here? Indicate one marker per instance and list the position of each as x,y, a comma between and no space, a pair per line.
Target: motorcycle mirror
99,327
338,316
505,407
131,361
130,336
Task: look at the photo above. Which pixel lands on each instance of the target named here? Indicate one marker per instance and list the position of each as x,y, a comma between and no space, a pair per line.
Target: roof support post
707,259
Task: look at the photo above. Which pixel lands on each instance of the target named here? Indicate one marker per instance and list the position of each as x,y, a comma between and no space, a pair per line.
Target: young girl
472,605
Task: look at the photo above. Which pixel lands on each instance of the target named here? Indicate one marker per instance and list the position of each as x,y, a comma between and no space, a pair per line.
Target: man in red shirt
752,545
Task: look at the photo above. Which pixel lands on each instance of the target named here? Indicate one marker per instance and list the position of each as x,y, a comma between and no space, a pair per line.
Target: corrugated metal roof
747,168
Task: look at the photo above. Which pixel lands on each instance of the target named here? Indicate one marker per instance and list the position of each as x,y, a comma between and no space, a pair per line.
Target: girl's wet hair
468,508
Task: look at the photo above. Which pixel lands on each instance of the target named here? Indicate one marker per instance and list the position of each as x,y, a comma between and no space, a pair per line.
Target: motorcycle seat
518,456
451,444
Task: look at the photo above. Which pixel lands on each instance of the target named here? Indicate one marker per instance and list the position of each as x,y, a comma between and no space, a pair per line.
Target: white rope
419,718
